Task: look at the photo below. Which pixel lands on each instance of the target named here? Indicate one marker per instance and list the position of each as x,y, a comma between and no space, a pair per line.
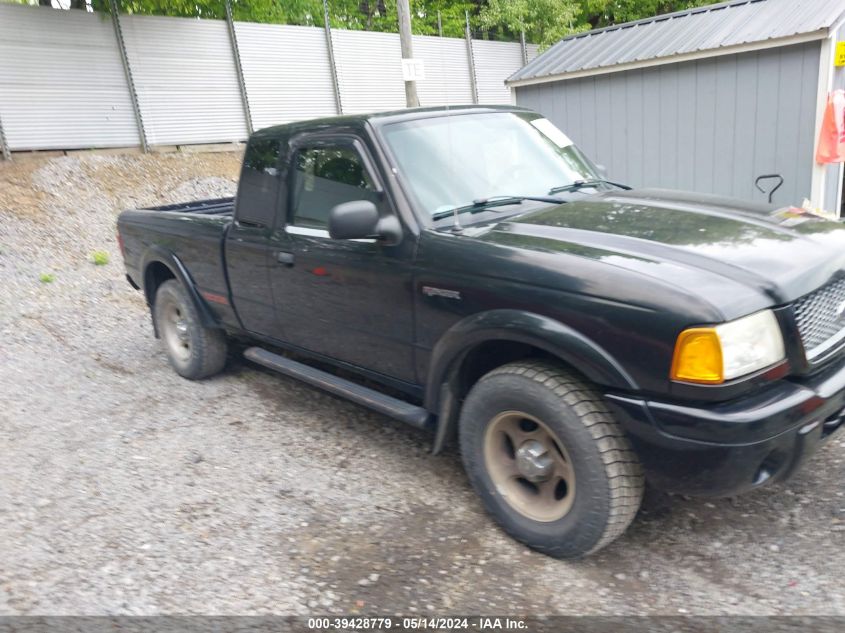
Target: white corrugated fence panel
62,84
495,62
369,71
447,79
186,79
286,72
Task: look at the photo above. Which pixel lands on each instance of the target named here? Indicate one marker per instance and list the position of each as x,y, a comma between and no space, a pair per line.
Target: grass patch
100,258
46,278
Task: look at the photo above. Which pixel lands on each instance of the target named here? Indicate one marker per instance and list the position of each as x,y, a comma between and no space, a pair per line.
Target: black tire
194,351
606,477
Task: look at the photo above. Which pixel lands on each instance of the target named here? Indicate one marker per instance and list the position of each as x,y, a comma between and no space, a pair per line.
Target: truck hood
698,242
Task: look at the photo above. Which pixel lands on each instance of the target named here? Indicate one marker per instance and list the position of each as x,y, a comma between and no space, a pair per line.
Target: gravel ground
128,490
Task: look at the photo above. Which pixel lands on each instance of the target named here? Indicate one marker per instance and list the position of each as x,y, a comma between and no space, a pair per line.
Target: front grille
820,316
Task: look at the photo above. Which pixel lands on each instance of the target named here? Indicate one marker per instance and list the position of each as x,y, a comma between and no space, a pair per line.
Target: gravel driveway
127,489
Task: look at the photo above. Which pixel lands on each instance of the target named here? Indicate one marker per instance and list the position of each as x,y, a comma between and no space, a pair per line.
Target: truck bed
192,232
212,206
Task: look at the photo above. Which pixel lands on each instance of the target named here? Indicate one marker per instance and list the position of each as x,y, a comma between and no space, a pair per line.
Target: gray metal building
706,99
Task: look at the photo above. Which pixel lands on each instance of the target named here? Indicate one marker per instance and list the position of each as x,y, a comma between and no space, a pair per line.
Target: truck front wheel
548,460
193,350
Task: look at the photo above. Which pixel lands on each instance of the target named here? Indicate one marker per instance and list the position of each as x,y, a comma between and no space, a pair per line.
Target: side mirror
353,220
360,219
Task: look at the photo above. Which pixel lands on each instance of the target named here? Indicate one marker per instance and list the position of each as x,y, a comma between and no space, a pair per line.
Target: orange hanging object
831,147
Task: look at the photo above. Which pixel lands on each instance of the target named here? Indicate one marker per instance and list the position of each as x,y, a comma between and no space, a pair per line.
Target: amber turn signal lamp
698,357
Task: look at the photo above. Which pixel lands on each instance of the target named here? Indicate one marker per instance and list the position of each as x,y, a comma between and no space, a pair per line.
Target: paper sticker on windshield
793,216
548,128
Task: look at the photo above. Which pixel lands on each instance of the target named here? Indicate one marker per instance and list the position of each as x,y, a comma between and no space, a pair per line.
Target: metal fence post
524,47
236,54
332,64
472,79
4,146
133,95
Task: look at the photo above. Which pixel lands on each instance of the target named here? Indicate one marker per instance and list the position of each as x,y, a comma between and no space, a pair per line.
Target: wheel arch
159,266
480,343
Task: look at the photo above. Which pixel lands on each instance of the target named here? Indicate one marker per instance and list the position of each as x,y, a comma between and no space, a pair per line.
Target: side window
259,184
326,176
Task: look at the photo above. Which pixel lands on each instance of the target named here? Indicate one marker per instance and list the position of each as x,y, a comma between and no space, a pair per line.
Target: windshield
451,161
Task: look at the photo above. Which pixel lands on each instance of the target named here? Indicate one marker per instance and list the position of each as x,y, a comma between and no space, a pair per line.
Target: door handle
285,258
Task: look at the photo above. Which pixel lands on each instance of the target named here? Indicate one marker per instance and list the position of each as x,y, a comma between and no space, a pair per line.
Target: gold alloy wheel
529,466
174,330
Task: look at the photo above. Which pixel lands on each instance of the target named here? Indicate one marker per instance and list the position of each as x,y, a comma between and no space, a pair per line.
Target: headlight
712,355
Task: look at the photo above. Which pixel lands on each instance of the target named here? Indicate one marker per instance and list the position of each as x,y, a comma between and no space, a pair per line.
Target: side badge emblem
430,291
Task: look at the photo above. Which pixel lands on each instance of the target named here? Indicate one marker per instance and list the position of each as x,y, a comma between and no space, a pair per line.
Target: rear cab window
258,189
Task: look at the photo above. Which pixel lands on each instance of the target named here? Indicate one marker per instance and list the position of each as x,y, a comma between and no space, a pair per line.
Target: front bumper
733,447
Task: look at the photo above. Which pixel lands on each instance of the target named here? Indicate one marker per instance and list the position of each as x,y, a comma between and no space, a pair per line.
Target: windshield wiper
481,204
578,184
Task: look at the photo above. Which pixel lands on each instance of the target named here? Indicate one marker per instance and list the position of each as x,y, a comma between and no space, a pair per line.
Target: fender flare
156,254
550,335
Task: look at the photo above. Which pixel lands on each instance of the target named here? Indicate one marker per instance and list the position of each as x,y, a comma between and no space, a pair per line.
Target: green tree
600,13
452,16
369,15
543,21
307,12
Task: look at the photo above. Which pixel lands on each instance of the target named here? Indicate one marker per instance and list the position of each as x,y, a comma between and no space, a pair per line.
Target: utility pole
404,13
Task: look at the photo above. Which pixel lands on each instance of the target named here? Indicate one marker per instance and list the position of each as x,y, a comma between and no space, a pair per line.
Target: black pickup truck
578,337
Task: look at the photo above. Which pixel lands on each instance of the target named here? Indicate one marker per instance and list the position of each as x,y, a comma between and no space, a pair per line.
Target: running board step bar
375,400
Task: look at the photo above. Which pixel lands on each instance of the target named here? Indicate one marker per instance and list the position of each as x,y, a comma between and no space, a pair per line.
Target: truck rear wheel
193,350
549,461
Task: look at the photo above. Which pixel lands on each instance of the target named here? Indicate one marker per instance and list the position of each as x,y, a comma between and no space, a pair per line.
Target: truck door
346,299
248,249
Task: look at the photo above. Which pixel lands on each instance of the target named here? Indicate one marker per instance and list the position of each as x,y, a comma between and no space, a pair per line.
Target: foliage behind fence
63,83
